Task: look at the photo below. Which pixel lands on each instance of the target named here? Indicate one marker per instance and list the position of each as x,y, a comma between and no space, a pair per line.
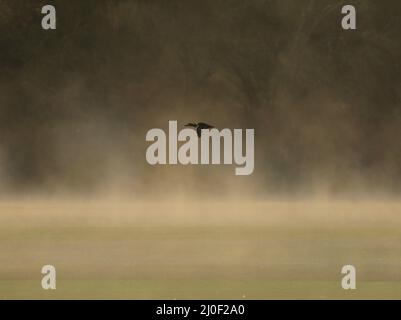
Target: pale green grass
262,250
197,289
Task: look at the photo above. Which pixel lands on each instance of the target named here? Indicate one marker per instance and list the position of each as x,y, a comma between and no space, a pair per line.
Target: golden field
210,249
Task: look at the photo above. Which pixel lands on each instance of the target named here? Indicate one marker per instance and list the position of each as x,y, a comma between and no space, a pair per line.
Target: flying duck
199,126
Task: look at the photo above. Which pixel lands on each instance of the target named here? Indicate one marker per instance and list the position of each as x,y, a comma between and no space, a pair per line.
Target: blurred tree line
325,103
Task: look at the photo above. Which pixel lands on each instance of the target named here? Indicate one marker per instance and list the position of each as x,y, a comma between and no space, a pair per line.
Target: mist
76,190
76,102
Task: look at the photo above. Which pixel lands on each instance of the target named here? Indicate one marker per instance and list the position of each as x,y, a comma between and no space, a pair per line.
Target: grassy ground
215,250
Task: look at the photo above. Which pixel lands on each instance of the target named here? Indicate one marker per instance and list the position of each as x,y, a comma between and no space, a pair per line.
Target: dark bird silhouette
199,126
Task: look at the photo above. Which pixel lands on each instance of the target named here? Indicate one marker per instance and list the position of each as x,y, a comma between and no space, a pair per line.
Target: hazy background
75,106
76,103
